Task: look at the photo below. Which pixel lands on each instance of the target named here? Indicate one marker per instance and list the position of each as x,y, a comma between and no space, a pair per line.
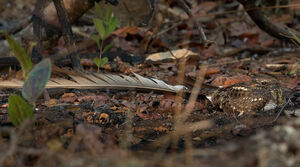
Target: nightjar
259,94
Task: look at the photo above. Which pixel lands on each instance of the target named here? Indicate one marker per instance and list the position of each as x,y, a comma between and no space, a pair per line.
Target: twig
203,37
194,94
282,108
280,32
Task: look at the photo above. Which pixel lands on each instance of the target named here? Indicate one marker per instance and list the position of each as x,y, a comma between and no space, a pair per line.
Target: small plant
35,80
20,54
104,26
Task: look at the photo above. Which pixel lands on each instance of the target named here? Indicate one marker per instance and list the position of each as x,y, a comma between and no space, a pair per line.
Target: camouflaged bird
259,94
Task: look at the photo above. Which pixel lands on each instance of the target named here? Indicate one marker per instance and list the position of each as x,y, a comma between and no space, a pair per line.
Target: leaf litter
108,127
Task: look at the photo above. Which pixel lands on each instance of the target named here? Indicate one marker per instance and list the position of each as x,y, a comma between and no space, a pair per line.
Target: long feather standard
103,81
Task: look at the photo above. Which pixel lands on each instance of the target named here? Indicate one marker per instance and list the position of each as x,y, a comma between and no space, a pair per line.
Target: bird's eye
264,82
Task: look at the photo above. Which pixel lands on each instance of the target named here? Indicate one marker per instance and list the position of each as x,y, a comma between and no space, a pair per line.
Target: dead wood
261,20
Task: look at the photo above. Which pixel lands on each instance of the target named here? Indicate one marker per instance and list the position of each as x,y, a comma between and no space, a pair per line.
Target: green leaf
98,10
36,82
103,61
107,47
108,13
20,54
100,28
96,38
97,61
18,109
112,25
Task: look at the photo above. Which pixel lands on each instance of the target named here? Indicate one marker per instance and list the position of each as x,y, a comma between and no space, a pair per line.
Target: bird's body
249,96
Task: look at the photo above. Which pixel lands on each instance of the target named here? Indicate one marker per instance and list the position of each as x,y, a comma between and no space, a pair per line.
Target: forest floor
136,127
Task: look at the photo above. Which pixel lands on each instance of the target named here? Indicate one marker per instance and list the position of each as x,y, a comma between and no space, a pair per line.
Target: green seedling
35,80
20,54
104,26
18,109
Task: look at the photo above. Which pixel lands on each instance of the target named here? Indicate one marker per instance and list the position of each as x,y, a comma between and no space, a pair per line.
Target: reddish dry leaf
227,81
123,32
212,70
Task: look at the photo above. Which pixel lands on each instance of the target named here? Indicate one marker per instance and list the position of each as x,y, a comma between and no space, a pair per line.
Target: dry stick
194,93
282,108
279,113
37,27
247,9
178,101
203,37
189,109
178,121
67,31
166,30
282,33
178,124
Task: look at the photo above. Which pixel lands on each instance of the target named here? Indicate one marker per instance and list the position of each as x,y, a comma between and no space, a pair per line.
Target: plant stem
101,49
100,52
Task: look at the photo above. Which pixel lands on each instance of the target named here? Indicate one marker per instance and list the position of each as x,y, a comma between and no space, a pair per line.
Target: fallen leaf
177,54
228,81
123,32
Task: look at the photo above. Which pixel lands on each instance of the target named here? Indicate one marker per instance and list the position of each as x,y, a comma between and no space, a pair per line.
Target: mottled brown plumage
249,97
